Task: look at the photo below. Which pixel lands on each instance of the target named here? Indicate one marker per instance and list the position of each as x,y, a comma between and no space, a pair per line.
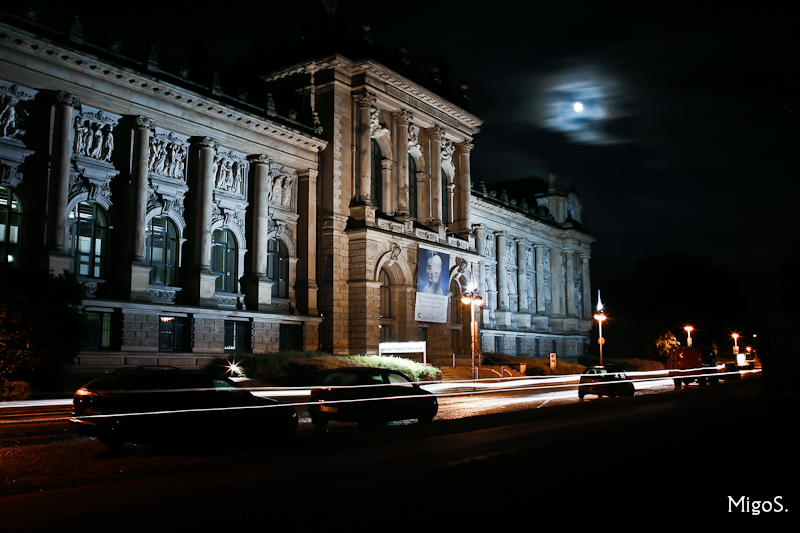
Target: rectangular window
99,336
386,333
170,334
519,346
237,336
498,344
538,348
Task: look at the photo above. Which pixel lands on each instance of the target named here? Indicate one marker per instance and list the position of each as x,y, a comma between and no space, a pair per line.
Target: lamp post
739,357
600,317
689,335
472,298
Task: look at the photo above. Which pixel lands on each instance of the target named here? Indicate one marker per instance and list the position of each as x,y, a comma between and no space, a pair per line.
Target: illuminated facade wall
179,209
202,224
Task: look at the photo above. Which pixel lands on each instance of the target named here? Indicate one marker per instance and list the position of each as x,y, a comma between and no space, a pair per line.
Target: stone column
569,285
59,258
364,101
586,296
502,273
306,285
522,267
462,223
258,292
541,304
435,136
557,281
137,208
206,148
389,197
401,120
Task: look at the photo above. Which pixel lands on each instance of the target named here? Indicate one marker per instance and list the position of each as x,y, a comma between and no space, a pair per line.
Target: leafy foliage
41,325
303,367
11,391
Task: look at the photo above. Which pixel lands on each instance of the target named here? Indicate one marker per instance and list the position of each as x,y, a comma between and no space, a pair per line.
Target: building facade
202,224
183,210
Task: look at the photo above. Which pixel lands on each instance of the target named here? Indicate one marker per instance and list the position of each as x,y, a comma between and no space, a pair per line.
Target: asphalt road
427,468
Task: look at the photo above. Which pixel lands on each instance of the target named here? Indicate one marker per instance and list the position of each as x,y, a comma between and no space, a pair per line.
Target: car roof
359,370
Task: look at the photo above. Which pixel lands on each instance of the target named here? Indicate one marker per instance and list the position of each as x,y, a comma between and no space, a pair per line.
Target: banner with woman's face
432,286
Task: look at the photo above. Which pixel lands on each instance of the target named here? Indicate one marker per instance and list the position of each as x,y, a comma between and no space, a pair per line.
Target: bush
41,324
303,367
11,391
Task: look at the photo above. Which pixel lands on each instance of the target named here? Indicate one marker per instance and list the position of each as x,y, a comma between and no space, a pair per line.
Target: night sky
687,138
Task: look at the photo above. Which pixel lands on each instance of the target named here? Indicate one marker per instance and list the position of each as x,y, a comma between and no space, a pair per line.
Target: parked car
157,404
608,380
369,396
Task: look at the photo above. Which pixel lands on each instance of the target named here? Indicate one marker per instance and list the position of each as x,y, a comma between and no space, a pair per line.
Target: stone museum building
203,224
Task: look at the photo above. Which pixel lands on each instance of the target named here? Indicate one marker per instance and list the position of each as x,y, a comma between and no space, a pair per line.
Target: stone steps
456,373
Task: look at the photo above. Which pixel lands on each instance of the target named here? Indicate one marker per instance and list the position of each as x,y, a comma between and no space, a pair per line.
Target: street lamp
472,298
689,337
600,317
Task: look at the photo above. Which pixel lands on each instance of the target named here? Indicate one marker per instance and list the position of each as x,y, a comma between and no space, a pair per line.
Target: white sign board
404,347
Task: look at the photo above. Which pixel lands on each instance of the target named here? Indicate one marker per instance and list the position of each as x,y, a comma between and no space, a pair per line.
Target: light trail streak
646,380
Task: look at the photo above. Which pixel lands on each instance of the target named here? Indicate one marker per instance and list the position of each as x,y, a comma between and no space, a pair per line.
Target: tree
41,322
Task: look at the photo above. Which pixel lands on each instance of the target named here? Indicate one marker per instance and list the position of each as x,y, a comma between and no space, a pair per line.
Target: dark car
606,380
161,404
369,396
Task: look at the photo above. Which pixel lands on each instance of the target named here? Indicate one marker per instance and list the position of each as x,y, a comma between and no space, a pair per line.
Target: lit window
10,226
88,239
278,268
223,260
162,250
377,176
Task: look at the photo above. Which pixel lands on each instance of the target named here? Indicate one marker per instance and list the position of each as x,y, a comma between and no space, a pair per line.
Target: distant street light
472,298
689,335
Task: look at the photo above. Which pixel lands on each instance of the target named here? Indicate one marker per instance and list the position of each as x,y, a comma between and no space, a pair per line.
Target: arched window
377,176
445,200
278,268
456,305
162,250
386,311
386,295
88,239
223,259
10,226
412,186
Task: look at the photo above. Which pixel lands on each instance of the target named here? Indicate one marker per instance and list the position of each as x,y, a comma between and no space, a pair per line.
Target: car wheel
581,394
426,419
319,420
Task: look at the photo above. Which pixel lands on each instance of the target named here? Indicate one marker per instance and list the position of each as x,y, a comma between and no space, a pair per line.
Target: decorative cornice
149,85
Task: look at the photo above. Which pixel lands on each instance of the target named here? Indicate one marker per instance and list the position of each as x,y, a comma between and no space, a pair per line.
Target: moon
578,107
